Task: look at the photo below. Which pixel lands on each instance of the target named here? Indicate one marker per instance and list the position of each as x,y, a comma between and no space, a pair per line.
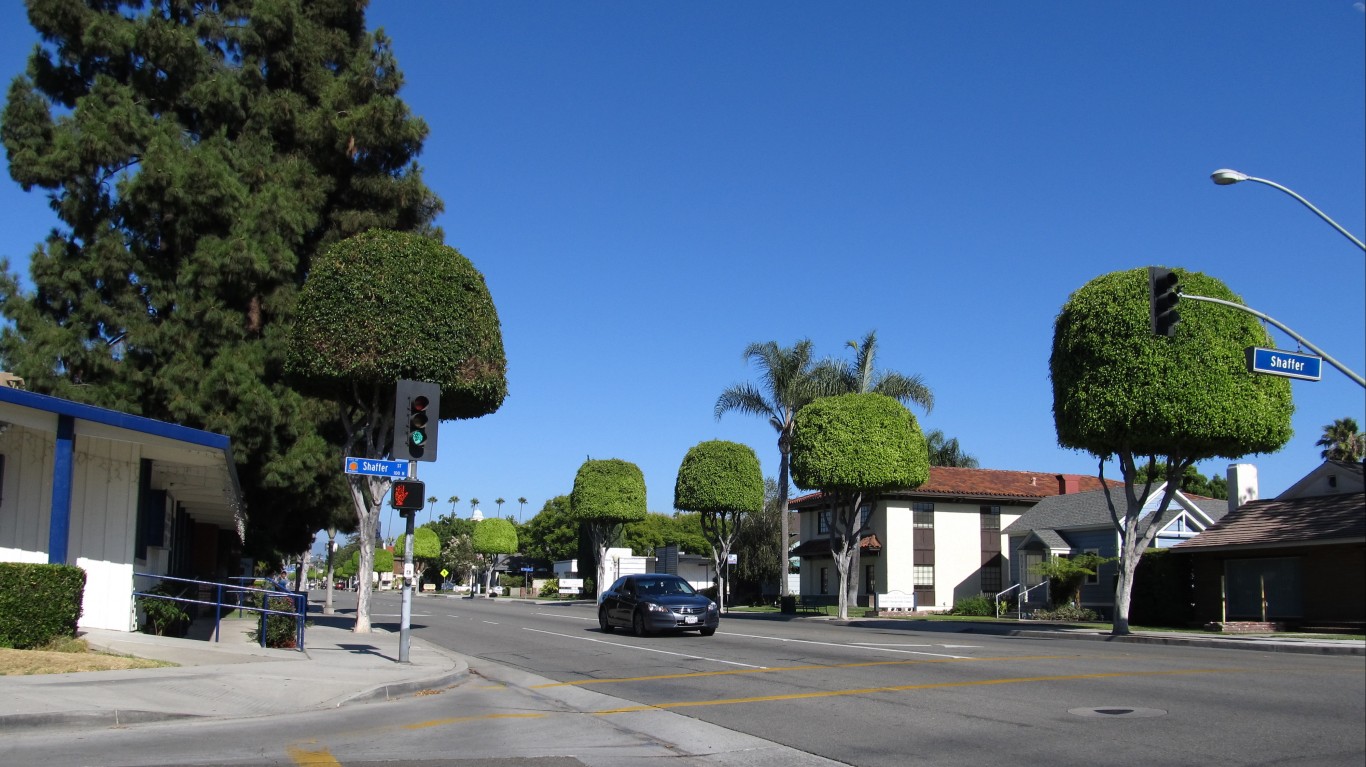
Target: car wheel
708,632
638,624
602,621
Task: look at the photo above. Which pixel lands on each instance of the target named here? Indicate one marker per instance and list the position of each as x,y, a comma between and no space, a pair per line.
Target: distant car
651,602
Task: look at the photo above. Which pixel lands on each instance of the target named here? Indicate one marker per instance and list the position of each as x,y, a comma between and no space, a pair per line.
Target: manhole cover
1118,712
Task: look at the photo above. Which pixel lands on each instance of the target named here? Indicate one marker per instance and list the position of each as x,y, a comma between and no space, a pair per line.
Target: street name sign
376,467
1282,363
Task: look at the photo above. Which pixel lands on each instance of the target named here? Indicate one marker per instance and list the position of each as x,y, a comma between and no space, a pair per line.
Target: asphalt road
894,697
545,683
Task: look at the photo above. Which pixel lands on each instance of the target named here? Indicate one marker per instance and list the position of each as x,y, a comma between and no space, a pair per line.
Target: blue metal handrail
235,592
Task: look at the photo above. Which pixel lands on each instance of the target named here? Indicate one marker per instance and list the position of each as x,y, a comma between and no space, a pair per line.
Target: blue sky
650,187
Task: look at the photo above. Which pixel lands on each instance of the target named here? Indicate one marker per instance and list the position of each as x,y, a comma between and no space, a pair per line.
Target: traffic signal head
417,411
408,495
1163,295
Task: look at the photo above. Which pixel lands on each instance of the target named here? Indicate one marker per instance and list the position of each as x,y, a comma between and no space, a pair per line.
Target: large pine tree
197,155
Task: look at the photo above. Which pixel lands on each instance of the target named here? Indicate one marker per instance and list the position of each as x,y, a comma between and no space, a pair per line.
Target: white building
114,494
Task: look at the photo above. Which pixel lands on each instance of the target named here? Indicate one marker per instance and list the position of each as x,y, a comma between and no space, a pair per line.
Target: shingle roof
1080,510
1318,519
954,482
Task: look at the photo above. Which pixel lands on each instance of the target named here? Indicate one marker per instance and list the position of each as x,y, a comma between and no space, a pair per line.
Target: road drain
1117,712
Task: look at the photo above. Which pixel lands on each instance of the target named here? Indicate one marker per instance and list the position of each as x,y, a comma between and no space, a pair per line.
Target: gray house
1080,523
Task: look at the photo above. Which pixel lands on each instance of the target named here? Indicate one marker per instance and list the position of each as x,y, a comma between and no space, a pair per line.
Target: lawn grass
65,656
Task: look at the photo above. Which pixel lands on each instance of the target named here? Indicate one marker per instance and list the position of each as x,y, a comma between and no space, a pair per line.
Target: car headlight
654,608
711,607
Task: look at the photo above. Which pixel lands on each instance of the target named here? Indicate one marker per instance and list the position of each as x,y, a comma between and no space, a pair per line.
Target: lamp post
1226,176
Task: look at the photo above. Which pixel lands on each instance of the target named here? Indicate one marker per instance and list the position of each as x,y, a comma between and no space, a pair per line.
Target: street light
1226,176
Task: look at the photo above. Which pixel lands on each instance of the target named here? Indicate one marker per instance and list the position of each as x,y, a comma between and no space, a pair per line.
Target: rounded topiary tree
607,494
852,447
1120,391
384,306
494,538
426,547
722,481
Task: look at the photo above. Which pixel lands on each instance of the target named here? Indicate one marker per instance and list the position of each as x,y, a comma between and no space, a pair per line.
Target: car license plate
690,619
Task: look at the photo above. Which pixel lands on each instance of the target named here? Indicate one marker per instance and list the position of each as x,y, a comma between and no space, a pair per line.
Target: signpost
1282,363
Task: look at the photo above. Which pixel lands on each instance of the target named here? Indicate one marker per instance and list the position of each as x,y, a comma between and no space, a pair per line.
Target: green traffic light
418,437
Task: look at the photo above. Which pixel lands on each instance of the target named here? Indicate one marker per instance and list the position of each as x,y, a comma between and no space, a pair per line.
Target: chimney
1068,484
1242,484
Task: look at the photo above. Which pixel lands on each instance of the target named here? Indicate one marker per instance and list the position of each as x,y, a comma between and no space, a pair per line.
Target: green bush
1068,612
980,604
281,630
551,588
163,617
39,603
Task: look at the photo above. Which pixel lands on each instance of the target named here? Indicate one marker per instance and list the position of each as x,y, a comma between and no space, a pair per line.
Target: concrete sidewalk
231,678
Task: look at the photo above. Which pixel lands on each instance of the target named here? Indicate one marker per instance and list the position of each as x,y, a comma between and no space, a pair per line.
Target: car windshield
663,587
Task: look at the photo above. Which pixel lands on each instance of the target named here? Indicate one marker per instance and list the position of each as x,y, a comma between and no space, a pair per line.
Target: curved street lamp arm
1345,370
1310,206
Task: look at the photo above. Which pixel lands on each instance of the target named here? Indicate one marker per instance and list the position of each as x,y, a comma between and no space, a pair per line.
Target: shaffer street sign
1282,363
376,467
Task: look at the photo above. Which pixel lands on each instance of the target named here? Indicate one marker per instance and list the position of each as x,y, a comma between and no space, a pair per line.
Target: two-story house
941,542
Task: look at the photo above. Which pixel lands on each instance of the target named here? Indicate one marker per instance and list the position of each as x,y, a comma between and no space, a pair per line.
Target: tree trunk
785,453
331,573
367,515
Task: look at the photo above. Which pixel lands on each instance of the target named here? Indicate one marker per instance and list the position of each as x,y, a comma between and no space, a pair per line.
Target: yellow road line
902,688
772,669
305,758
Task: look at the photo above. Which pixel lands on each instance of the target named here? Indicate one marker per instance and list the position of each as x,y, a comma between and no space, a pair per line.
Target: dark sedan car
649,602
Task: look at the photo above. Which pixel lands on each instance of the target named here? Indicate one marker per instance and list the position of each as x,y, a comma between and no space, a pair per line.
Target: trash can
788,605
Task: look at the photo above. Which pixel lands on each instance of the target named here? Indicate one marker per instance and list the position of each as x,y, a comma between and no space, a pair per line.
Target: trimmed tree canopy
858,442
608,491
720,476
495,535
367,292
425,544
1118,388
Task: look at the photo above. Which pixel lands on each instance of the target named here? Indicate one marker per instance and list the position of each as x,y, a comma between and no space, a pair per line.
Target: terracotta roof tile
948,481
821,546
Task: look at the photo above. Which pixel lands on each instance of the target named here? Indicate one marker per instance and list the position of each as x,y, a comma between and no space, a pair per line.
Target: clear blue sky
649,187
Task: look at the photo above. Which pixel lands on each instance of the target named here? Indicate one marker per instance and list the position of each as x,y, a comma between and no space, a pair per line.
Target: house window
822,524
868,579
922,515
991,517
825,580
923,575
865,511
991,576
1092,580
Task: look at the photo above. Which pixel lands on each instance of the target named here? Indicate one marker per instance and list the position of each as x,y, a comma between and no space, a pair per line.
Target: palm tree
453,500
500,503
431,506
1342,441
861,377
946,452
522,501
789,378
474,506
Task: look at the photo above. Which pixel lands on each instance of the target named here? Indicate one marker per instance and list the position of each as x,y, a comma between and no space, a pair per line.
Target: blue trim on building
63,464
114,418
135,423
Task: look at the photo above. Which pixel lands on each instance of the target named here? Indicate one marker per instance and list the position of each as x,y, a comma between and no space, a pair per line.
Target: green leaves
1118,388
858,442
495,535
383,306
608,491
720,476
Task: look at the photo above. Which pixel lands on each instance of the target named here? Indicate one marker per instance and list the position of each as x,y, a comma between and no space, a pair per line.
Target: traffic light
417,411
1163,295
408,495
